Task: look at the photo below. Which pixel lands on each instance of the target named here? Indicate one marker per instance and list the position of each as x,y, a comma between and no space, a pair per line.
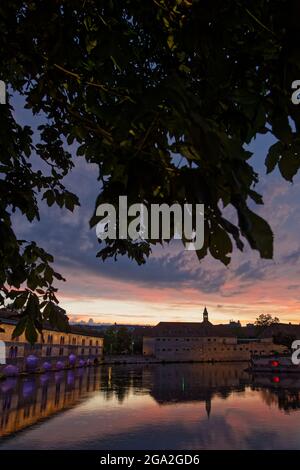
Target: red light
276,380
274,363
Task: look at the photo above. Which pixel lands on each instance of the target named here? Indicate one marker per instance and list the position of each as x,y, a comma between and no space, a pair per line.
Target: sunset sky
173,285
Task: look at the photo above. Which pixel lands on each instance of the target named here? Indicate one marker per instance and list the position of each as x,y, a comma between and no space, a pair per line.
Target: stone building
56,350
203,341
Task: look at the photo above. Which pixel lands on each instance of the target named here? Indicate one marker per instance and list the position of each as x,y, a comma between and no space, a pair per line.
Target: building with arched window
78,346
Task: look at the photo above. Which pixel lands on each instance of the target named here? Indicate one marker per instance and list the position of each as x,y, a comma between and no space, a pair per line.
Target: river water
158,406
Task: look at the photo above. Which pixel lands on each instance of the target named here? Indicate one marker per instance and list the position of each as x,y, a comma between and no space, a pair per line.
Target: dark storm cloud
248,271
291,258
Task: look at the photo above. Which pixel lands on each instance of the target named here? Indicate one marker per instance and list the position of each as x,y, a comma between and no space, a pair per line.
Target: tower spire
205,315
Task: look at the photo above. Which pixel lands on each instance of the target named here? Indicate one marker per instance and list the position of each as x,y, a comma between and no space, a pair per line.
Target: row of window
187,339
73,341
13,351
213,349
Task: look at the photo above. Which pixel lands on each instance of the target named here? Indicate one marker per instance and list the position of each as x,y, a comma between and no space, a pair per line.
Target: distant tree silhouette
265,320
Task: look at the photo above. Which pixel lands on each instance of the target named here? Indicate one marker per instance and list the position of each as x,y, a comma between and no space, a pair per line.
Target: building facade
55,350
203,341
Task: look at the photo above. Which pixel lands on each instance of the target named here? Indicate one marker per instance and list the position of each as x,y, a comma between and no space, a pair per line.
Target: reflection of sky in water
155,407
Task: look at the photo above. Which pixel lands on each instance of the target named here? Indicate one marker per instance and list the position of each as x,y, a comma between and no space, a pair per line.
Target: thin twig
89,83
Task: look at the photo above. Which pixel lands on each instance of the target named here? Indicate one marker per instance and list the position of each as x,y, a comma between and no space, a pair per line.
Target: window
48,351
91,342
97,343
50,339
82,350
62,340
61,351
83,342
11,352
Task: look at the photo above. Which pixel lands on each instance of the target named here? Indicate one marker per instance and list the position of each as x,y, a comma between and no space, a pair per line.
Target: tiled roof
186,329
10,317
207,329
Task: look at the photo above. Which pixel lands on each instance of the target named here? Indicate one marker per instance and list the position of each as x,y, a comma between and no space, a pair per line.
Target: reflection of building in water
197,382
203,341
23,402
54,350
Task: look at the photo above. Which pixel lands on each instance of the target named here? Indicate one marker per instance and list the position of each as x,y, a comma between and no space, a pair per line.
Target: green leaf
257,231
273,156
289,165
50,197
30,332
19,329
220,245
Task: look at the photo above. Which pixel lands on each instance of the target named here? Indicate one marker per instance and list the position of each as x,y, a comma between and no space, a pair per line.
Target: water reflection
27,401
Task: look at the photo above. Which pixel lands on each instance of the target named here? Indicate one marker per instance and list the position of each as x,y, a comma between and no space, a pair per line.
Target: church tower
205,316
